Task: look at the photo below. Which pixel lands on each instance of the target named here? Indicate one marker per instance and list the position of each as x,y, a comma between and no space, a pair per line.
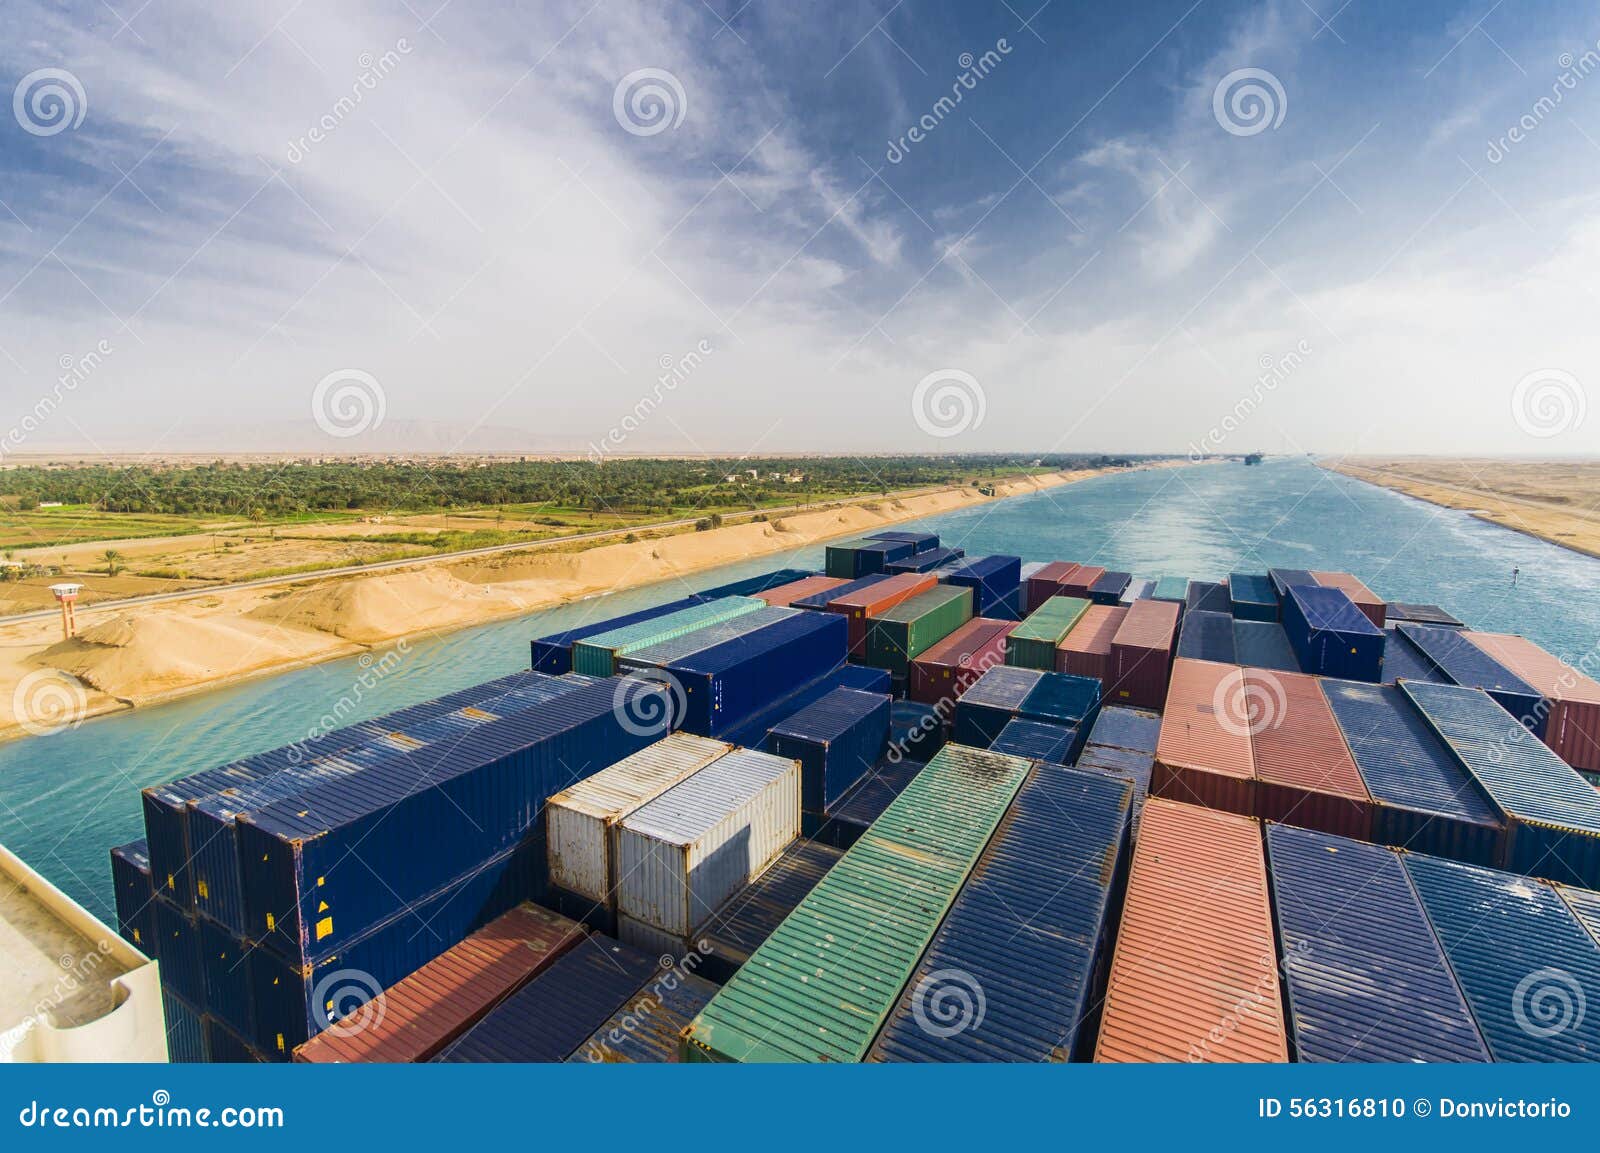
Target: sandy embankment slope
1555,501
149,653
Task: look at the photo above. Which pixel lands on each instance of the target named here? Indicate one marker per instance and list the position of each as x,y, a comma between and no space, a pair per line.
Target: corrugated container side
1364,974
748,918
551,1017
1422,799
134,891
873,794
1305,774
430,1008
916,731
1207,636
1209,597
921,542
1572,699
821,600
1552,814
785,595
1037,741
724,686
1120,727
553,654
1060,698
898,636
947,668
225,1047
1203,756
1141,654
836,740
1263,645
178,946
988,706
225,975
820,986
186,1043
992,579
1284,579
925,561
1466,664
858,607
579,820
1032,644
1052,865
1404,661
687,851
1370,604
751,732
647,1030
1137,767
597,655
1195,972
1109,588
1330,635
1518,954
1421,614
750,586
1086,650
1251,597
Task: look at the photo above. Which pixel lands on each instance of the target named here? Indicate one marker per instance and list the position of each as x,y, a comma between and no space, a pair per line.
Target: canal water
67,797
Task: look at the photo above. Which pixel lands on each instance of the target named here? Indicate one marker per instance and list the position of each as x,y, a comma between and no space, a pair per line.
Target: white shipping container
679,857
579,820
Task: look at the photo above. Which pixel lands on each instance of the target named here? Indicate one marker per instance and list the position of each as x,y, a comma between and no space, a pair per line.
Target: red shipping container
442,1000
863,604
785,595
1195,972
949,667
1572,728
1203,754
1141,654
1087,650
1305,774
1061,578
1364,598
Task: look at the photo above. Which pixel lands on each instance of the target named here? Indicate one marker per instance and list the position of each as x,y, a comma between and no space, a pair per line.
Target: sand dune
149,653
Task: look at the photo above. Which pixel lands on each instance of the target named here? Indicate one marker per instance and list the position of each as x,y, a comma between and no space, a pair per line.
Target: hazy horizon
736,228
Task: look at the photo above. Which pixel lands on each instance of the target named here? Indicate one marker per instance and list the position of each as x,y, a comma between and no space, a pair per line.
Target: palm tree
113,562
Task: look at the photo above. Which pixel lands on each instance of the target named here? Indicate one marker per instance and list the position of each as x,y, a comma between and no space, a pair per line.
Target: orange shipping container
1087,650
1572,728
1195,973
862,605
1203,753
1305,774
785,595
1365,599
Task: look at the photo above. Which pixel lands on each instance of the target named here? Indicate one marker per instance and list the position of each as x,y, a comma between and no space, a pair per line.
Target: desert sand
1554,500
138,655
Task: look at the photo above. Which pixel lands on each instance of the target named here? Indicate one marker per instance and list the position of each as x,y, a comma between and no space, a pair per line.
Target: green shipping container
1172,588
597,655
1032,644
901,635
840,559
821,986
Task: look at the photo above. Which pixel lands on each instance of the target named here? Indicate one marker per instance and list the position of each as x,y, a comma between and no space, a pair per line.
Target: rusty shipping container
949,668
442,1000
1059,578
1305,774
1572,726
1203,756
861,605
1371,605
1086,652
1195,972
785,595
1141,655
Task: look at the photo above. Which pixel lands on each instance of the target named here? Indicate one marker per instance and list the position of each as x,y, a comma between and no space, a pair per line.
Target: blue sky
1080,249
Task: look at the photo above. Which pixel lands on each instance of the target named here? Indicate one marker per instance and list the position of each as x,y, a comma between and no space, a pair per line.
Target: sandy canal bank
142,654
1554,500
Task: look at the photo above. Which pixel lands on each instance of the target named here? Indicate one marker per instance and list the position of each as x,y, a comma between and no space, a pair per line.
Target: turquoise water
66,798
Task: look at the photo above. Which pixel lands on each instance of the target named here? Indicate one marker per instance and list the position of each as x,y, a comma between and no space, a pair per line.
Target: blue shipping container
1208,597
865,803
1109,587
1252,597
1130,763
1423,800
1331,636
750,586
1465,664
178,945
1263,645
990,702
553,654
726,685
133,892
920,542
1398,611
1053,744
1123,728
1403,661
837,740
993,991
1284,579
752,732
1064,699
1552,813
925,561
1207,636
916,731
186,1042
1525,963
225,973
1365,976
992,579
